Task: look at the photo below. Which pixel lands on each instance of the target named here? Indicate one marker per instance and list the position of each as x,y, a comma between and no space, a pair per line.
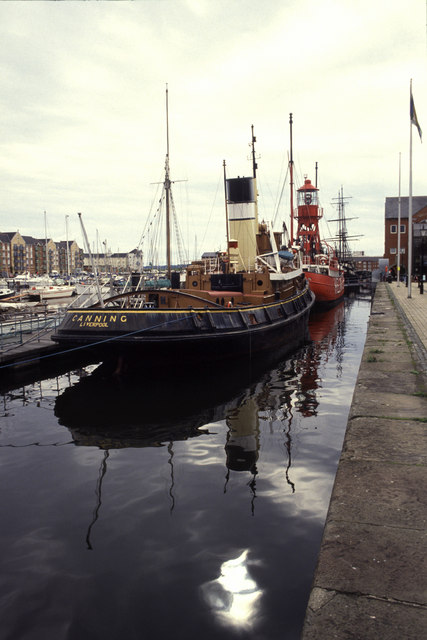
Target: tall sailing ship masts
167,186
343,250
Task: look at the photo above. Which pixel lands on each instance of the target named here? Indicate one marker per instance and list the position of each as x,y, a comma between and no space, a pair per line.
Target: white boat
6,293
49,292
48,289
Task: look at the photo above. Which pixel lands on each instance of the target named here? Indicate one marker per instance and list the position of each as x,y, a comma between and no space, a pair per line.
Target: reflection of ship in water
326,331
111,412
243,437
325,324
288,389
243,442
108,411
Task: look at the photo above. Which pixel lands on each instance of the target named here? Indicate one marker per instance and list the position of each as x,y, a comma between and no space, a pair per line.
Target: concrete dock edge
371,576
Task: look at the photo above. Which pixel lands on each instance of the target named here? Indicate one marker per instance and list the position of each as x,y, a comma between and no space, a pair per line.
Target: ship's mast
254,163
226,218
167,185
291,173
254,169
45,245
344,252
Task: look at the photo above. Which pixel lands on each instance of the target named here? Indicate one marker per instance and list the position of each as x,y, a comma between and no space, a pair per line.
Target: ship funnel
242,216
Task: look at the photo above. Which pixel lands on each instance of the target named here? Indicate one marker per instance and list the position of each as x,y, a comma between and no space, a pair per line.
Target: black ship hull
188,336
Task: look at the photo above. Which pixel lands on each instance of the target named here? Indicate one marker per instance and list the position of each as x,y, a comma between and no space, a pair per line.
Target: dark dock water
151,508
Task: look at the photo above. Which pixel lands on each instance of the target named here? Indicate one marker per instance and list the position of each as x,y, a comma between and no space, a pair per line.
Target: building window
393,251
393,228
403,228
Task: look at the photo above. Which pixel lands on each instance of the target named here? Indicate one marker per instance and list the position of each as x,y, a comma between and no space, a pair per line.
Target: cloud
83,107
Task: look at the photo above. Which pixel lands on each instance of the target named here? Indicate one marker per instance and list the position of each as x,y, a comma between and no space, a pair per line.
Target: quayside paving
371,576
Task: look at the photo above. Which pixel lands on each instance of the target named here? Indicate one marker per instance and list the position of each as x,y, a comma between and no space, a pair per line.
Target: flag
414,119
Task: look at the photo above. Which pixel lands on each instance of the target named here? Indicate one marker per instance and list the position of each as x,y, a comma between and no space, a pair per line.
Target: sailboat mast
167,186
45,245
94,270
341,224
291,173
226,218
68,246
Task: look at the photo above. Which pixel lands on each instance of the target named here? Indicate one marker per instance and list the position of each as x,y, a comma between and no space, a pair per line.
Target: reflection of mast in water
170,461
285,383
98,490
288,445
340,343
242,446
306,398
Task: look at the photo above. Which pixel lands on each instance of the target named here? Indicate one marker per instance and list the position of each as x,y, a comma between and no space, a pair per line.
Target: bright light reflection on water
234,596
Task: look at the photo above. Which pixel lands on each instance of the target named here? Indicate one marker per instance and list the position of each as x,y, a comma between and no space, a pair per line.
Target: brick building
25,254
419,215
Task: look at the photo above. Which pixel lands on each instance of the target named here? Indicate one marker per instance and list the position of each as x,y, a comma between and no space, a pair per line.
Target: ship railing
90,296
321,258
262,260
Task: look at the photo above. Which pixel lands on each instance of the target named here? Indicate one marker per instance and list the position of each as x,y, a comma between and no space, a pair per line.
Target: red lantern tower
308,216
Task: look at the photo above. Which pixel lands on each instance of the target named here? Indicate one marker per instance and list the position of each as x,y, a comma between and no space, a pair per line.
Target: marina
237,372
213,336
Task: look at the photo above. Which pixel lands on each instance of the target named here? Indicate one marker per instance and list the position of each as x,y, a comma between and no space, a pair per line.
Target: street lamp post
423,234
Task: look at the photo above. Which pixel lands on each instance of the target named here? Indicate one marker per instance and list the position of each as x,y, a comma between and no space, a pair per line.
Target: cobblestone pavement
413,310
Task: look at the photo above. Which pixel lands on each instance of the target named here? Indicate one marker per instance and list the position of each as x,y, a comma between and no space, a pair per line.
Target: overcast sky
82,126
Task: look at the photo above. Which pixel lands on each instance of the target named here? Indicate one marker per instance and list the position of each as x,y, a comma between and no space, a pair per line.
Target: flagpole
398,226
410,204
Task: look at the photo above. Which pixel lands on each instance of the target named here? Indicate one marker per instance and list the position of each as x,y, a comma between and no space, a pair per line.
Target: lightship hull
327,289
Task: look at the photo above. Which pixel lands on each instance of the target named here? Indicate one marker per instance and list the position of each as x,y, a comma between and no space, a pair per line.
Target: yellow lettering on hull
97,321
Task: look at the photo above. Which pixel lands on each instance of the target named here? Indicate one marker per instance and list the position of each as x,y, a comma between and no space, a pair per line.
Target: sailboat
254,302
